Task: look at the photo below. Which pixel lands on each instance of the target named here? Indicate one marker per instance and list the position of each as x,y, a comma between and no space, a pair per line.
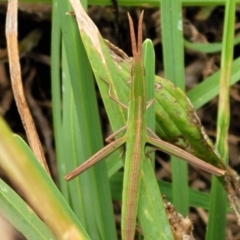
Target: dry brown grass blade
16,79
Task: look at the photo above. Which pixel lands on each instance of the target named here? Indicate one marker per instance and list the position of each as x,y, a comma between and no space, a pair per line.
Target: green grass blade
85,196
208,47
217,216
23,170
21,216
70,156
172,40
149,64
82,134
151,212
152,224
56,88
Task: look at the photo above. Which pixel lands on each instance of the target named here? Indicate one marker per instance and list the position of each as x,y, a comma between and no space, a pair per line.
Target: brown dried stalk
16,79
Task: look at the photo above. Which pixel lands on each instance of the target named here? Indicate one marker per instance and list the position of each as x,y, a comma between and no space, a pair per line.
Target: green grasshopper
137,136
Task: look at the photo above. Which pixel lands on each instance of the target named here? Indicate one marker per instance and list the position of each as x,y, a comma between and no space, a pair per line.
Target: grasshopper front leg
101,154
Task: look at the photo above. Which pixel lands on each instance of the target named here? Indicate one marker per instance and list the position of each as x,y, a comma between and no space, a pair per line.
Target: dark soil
36,78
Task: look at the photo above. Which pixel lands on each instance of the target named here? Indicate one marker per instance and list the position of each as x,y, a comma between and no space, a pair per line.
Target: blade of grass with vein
83,207
82,129
172,40
19,214
149,64
84,201
56,88
23,170
71,146
217,216
150,196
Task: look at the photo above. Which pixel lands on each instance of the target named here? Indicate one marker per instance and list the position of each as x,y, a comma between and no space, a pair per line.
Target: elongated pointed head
136,45
138,88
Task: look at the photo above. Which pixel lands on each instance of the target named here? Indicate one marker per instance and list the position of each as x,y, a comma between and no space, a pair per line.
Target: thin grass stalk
218,202
172,39
56,87
149,64
149,197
